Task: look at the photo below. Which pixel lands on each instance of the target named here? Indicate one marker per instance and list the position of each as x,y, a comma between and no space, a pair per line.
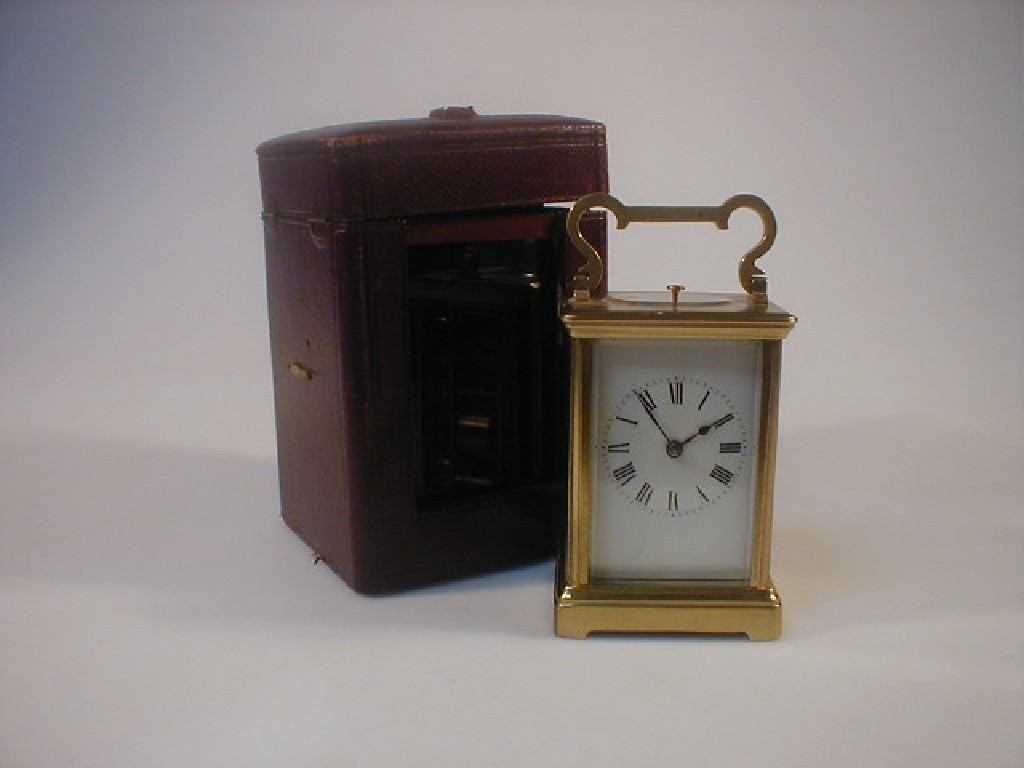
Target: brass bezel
753,608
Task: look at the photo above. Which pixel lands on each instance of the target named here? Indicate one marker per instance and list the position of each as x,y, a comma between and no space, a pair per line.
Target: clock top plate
654,313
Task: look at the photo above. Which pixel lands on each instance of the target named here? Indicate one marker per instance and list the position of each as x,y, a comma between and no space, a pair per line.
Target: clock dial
674,445
674,459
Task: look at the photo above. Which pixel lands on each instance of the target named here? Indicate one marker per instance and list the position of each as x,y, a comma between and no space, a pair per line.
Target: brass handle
752,278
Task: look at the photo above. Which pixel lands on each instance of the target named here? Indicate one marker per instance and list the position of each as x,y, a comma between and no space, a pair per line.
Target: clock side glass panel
673,471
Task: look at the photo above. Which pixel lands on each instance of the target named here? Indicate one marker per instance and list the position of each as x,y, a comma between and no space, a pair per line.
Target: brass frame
582,607
752,608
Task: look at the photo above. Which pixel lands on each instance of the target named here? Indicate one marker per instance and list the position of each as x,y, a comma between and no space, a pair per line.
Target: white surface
669,519
154,610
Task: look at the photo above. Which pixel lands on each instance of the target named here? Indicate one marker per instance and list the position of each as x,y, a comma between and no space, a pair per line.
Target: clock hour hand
716,424
708,427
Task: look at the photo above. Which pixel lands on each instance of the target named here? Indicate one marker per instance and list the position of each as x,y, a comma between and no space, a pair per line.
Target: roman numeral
702,494
625,473
728,447
675,392
721,474
618,448
673,501
703,399
628,421
645,493
646,400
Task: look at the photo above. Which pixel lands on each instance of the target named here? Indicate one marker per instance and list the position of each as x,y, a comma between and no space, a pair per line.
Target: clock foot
582,611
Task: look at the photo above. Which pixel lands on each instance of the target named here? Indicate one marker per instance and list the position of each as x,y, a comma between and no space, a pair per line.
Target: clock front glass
674,429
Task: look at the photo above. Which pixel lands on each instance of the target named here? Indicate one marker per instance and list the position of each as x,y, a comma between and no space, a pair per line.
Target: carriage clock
675,399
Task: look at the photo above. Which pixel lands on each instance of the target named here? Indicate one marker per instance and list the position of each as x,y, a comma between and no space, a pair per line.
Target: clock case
583,606
414,269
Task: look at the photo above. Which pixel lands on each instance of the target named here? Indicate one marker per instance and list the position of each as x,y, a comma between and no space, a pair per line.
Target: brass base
581,611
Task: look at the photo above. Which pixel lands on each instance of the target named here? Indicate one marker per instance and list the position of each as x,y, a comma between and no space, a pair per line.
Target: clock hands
716,424
648,404
674,448
708,427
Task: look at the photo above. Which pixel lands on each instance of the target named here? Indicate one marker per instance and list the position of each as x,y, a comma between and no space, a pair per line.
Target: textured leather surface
338,291
432,165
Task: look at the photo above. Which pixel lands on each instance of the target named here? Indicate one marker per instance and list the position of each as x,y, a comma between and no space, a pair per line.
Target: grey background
155,611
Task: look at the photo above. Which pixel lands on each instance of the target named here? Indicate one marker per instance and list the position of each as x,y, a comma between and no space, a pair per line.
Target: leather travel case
420,372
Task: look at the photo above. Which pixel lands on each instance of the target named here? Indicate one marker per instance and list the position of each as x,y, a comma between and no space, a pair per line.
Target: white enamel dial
674,445
673,458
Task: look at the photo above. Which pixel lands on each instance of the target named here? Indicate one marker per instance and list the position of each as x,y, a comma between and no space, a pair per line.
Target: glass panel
674,436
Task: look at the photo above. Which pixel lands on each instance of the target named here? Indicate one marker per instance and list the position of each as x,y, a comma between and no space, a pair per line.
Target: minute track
667,440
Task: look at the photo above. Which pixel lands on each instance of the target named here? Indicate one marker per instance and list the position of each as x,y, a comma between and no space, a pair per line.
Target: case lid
453,160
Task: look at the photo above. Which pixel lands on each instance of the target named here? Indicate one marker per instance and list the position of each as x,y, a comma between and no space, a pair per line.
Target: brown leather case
413,274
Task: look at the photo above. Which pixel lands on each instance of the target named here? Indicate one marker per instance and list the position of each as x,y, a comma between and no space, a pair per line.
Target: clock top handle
752,278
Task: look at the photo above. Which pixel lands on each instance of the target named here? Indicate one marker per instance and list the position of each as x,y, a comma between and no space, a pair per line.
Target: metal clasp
300,372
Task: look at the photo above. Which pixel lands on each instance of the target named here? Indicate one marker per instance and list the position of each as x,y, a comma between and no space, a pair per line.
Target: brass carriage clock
675,400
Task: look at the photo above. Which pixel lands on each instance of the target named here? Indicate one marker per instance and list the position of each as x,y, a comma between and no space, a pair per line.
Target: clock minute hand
674,448
650,412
